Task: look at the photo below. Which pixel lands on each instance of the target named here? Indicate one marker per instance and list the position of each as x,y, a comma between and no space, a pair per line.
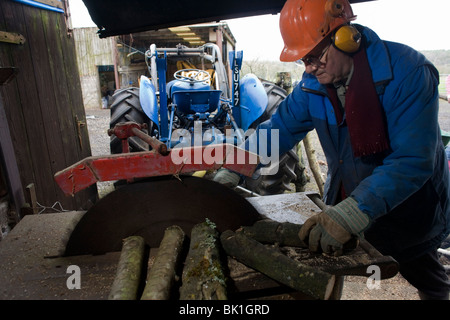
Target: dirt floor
355,288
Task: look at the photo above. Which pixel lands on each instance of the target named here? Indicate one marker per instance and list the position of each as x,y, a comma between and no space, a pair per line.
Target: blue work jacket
404,191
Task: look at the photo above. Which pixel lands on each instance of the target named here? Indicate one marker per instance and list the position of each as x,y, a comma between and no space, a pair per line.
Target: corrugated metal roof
116,17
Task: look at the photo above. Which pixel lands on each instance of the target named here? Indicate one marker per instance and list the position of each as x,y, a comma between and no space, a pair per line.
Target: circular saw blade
147,208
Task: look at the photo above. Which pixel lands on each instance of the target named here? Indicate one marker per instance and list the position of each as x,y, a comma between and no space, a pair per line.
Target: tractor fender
254,100
147,98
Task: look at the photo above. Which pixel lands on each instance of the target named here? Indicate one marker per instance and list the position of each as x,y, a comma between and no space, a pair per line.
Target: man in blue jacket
374,105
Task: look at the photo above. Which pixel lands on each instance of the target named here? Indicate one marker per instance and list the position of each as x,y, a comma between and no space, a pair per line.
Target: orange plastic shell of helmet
305,23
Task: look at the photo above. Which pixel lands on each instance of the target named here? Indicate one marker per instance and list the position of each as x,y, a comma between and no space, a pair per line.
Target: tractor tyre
290,168
124,108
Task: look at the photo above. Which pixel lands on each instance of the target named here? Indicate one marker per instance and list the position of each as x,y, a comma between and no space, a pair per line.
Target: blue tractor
178,98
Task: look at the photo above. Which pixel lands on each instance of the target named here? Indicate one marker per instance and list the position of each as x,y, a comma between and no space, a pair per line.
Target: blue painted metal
147,98
235,58
196,101
253,100
169,139
194,97
161,64
180,85
40,5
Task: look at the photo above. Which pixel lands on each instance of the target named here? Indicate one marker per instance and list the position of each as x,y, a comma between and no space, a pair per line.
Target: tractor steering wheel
192,75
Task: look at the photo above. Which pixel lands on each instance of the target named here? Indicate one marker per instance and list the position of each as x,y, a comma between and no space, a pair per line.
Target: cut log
313,164
129,270
271,262
270,232
203,276
162,274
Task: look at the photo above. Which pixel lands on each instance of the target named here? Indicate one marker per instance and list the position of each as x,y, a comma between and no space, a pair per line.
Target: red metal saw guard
127,166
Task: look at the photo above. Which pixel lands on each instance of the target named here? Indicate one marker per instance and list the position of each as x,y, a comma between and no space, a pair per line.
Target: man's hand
334,228
226,177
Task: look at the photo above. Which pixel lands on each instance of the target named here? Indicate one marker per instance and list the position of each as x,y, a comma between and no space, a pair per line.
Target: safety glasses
316,61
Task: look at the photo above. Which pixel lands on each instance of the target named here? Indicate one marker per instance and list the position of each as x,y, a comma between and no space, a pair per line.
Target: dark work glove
226,177
335,228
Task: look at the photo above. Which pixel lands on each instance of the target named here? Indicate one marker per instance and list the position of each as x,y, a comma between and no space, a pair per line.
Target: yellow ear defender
347,39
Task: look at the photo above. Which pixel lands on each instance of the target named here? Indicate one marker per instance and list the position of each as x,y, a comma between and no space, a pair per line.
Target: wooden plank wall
44,103
92,51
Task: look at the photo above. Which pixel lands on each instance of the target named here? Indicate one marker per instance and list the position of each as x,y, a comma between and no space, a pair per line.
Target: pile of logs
202,263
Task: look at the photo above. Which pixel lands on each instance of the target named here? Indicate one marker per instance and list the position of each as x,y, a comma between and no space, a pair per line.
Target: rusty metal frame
128,166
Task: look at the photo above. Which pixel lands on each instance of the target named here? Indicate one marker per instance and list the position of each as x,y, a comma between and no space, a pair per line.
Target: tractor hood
116,17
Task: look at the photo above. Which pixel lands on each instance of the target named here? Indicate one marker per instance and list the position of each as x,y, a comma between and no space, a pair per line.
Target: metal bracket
12,37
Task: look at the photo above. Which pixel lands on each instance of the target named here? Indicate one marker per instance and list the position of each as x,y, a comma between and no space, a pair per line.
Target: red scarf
363,111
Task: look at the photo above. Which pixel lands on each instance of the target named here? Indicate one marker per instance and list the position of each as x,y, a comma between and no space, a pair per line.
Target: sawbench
33,265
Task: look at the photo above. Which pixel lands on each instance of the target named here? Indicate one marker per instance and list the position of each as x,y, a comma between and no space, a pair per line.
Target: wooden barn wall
44,104
92,51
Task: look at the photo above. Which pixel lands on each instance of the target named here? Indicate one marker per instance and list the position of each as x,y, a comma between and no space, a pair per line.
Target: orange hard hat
305,23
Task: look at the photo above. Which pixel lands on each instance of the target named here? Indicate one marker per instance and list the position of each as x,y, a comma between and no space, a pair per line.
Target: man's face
328,64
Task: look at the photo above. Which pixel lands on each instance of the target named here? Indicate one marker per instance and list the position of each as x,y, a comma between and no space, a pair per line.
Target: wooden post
32,193
313,164
116,62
